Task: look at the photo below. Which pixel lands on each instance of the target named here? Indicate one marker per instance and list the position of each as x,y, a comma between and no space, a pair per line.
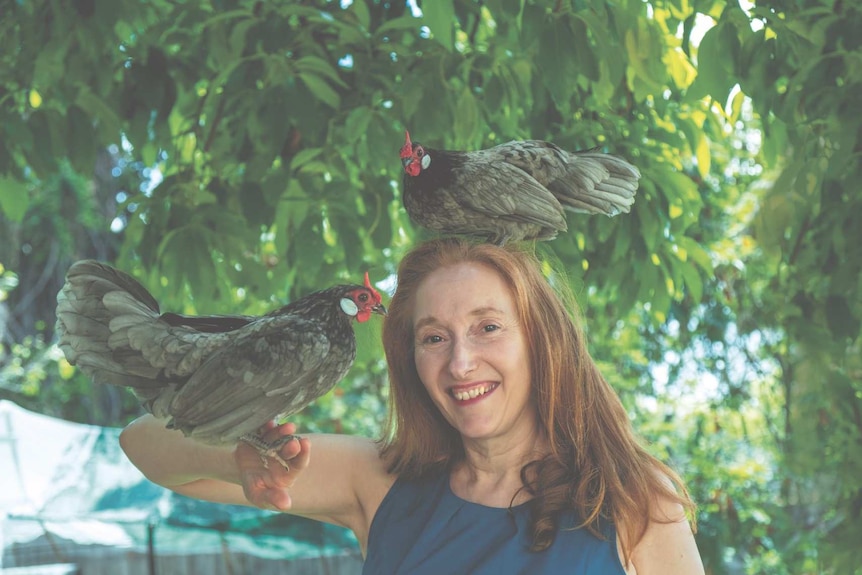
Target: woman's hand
267,484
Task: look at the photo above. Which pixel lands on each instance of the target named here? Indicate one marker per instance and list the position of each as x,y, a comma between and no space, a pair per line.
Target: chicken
216,378
512,192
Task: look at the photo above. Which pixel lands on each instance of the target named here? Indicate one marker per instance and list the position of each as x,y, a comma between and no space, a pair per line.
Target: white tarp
72,482
52,468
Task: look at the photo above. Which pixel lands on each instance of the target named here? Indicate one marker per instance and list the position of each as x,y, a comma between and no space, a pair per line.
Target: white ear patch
426,161
348,307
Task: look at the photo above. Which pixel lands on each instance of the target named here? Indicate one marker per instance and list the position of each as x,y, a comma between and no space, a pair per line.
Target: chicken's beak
406,162
379,308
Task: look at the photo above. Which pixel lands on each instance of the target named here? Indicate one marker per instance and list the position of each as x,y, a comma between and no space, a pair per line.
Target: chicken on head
512,192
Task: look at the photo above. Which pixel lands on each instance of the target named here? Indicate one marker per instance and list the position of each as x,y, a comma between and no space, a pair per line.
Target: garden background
237,154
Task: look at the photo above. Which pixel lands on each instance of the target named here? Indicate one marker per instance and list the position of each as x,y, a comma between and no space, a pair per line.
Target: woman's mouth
468,393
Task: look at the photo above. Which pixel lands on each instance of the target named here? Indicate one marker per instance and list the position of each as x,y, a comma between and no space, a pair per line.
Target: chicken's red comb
407,148
371,287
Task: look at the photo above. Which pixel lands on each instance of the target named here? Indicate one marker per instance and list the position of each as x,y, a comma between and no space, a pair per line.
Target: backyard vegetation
237,154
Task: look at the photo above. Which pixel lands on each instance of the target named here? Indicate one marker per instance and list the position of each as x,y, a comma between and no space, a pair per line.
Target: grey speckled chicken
512,192
216,378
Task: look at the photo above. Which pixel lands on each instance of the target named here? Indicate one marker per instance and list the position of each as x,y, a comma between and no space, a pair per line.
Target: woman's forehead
461,289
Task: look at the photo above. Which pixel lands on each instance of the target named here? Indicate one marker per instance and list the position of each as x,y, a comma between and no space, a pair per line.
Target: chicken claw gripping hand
266,486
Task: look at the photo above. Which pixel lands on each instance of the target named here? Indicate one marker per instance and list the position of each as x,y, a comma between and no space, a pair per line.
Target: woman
506,451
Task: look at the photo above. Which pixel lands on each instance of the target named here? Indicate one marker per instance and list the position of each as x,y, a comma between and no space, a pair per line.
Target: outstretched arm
343,485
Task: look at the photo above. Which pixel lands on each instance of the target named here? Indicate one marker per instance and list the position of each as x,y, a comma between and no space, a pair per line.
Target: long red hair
595,467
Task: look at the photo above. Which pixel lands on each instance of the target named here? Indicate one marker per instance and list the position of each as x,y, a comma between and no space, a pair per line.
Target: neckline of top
460,499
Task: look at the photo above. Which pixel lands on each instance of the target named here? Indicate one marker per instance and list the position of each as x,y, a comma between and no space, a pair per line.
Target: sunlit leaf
35,99
702,153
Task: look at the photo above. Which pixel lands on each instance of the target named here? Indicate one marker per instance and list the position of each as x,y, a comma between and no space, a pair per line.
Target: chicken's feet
267,450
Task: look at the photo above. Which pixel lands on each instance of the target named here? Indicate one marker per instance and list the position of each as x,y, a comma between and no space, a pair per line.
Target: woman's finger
272,432
298,452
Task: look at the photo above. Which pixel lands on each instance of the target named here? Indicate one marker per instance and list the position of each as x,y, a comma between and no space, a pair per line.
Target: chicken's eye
363,297
420,152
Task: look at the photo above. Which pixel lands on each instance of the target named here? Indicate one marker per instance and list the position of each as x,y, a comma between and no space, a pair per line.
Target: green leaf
702,153
588,62
302,157
356,123
840,319
556,59
320,67
42,157
715,72
775,141
363,16
401,23
14,198
493,94
226,16
649,224
439,16
678,187
238,36
107,120
80,140
696,252
198,268
255,208
611,53
321,90
292,209
660,303
693,281
533,25
646,72
310,254
466,117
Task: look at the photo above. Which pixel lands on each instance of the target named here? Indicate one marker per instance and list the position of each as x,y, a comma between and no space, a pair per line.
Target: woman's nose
462,360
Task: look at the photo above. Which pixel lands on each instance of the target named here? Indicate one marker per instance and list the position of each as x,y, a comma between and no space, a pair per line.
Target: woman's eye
490,327
432,339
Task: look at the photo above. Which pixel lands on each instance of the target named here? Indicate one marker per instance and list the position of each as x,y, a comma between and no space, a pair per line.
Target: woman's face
471,353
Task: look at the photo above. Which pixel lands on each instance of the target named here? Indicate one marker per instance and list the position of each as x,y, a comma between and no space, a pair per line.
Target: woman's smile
472,393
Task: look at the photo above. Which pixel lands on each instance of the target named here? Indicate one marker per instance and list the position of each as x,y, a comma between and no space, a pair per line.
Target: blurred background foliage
237,154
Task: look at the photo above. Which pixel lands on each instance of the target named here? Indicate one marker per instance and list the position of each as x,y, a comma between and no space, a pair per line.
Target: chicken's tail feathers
95,307
597,183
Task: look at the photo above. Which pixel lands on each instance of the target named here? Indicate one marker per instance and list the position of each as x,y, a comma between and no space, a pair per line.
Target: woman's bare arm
343,485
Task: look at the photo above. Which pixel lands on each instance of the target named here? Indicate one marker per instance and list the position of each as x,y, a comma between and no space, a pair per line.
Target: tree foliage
235,154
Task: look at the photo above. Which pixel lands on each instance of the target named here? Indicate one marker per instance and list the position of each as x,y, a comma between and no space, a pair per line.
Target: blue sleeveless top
422,528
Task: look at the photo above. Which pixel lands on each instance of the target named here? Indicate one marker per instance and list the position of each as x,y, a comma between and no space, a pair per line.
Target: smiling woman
496,398
506,450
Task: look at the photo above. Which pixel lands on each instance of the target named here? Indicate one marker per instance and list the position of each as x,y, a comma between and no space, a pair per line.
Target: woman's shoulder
667,545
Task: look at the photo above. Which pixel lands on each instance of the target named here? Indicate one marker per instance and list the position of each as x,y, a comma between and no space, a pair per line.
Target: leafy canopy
238,153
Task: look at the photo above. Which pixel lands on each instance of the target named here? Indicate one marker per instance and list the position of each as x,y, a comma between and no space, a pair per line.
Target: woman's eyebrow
427,320
479,311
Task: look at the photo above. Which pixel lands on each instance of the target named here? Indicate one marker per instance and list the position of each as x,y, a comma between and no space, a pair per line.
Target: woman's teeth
472,393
